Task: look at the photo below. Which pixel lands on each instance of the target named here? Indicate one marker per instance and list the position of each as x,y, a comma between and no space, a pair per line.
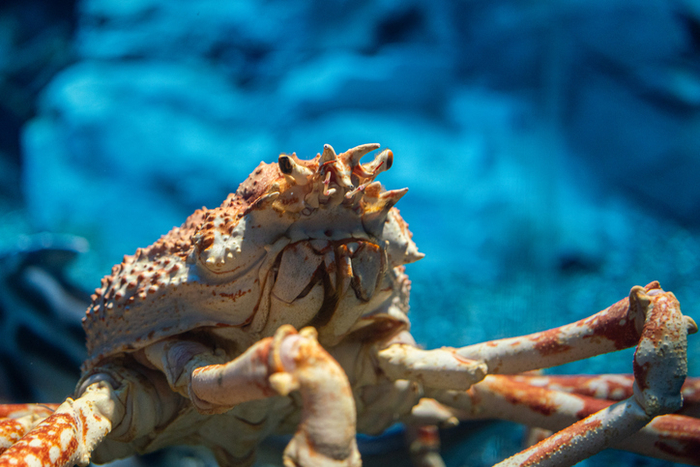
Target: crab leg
612,387
669,437
438,368
20,410
271,367
584,438
69,435
17,419
424,445
659,368
615,328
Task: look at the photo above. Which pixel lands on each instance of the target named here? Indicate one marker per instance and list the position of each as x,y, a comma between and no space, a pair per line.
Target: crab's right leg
670,437
611,387
650,318
68,436
273,366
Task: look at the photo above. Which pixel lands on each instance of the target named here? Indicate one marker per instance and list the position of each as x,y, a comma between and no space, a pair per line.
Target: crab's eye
285,164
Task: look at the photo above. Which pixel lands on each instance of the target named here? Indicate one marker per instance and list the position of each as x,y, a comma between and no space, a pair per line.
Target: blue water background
551,149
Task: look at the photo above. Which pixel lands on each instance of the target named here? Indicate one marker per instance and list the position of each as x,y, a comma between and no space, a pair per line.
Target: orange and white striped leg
17,419
68,436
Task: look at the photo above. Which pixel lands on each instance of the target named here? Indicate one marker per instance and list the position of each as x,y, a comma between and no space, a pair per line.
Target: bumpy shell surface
213,270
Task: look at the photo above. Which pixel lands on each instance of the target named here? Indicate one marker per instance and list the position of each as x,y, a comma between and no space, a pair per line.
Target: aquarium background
551,149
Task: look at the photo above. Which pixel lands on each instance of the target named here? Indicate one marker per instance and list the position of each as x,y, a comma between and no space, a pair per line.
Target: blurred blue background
551,148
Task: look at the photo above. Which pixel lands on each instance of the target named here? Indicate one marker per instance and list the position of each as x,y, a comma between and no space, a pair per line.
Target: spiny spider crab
193,340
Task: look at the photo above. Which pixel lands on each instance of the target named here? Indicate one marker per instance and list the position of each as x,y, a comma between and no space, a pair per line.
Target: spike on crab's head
328,198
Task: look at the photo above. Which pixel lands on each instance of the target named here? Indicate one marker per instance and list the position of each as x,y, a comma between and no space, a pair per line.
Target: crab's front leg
619,326
274,366
659,370
68,436
650,317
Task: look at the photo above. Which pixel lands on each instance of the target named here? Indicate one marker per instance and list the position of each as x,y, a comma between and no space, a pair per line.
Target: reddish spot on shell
234,296
207,241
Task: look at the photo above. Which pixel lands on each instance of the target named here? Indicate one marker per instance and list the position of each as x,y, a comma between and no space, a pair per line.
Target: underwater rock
634,103
35,43
40,312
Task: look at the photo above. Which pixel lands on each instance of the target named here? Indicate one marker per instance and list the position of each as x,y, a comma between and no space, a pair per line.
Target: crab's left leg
17,419
68,436
650,317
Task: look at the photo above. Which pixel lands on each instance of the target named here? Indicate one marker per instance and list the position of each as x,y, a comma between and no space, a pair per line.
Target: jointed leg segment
69,435
276,366
650,318
18,419
611,387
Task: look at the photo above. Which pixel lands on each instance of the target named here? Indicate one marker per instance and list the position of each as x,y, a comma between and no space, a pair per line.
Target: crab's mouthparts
340,266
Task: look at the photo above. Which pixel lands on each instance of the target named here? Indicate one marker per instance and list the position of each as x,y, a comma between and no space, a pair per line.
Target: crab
284,310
